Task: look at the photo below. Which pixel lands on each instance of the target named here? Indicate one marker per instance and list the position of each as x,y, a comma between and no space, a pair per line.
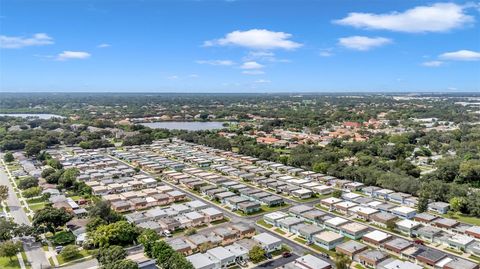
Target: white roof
374,203
404,209
406,223
377,235
336,221
276,215
398,264
461,239
302,191
332,200
443,262
309,261
346,204
266,239
220,253
201,260
363,209
350,195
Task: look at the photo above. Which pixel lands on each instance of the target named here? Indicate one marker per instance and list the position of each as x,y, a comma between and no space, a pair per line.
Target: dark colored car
286,254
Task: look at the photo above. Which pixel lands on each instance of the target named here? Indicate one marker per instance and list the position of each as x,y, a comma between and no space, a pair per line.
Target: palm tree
342,261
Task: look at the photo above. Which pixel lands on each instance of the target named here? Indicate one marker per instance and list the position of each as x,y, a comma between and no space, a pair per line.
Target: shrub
63,238
69,252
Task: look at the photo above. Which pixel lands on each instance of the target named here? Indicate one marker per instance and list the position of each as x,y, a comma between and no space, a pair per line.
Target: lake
185,125
26,115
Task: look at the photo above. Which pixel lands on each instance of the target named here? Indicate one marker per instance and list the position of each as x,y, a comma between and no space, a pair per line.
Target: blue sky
239,46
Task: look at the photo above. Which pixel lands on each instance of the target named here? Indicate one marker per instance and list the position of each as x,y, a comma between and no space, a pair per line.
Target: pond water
26,115
185,125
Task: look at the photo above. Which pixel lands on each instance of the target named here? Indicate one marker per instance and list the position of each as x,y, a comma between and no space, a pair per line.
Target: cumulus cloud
251,65
16,42
104,45
259,39
432,63
68,55
363,43
216,62
326,52
439,17
461,55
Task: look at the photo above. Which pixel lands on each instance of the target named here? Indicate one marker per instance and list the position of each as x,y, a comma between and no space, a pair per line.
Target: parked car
286,254
58,249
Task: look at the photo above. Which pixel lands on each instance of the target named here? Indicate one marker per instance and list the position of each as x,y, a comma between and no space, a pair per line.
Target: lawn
280,231
359,266
319,249
473,257
25,260
225,219
264,224
5,263
35,200
300,240
464,218
37,207
82,254
454,251
266,208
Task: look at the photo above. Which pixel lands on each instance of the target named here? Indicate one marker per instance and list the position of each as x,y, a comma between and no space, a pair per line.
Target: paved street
272,264
90,264
34,251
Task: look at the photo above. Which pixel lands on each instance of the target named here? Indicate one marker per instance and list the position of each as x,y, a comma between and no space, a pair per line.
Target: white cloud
251,65
363,43
325,53
261,81
67,55
432,63
16,42
193,76
266,56
439,17
461,55
253,72
216,62
174,77
104,45
256,39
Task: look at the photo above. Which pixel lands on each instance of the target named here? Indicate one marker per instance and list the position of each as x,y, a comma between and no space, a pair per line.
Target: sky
239,46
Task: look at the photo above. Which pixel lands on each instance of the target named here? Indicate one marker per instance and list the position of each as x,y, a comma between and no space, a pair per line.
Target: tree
10,249
3,193
69,252
101,209
32,148
47,171
8,157
7,229
51,218
337,193
110,254
161,251
54,163
178,261
391,225
27,182
32,192
256,254
122,264
68,178
117,233
342,261
458,204
422,205
147,238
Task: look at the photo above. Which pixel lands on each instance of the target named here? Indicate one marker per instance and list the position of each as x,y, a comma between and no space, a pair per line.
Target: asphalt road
272,264
35,254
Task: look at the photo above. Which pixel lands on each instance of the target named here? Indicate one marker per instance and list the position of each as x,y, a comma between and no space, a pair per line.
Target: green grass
37,207
300,240
280,231
25,260
473,257
458,252
359,266
5,263
82,254
225,219
320,249
35,200
266,208
463,218
264,224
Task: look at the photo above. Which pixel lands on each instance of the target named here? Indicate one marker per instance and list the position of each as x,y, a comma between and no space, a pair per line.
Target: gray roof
352,246
399,243
461,264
